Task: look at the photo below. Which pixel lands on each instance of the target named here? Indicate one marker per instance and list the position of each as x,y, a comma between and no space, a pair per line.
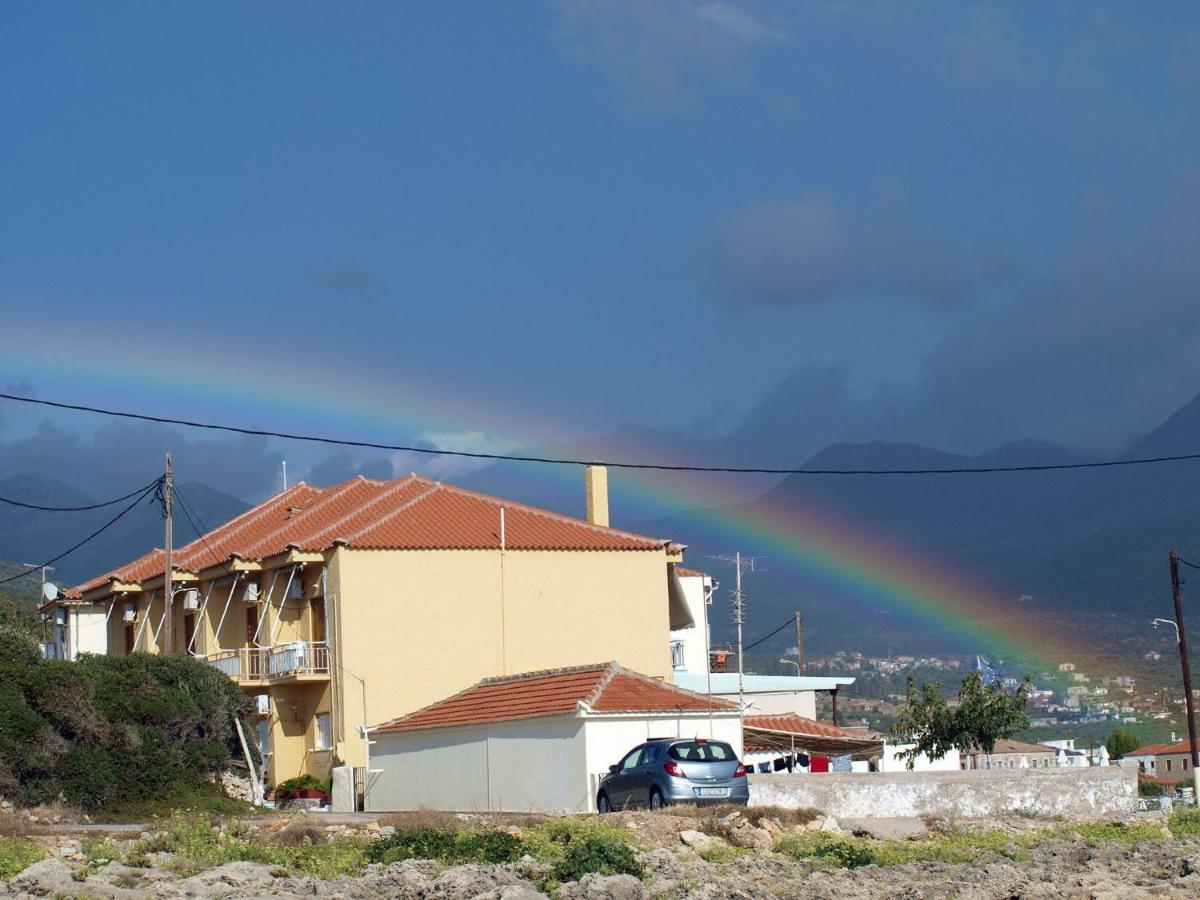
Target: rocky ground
726,856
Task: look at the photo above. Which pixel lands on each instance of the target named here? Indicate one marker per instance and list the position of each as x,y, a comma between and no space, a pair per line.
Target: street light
1157,622
791,662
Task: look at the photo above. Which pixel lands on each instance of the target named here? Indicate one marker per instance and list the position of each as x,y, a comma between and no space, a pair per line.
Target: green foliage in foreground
17,854
968,845
109,729
447,845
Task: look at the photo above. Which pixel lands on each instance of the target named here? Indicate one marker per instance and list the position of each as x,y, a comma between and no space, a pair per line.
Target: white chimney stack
595,480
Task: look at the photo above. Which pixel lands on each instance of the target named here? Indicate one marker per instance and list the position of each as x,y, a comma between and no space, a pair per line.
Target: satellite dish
49,591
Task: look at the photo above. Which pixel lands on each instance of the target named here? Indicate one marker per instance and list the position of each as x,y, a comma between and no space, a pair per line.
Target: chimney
595,480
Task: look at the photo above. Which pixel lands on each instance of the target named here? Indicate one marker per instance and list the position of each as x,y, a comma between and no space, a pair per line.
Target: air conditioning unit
262,704
191,599
129,613
295,589
250,595
60,617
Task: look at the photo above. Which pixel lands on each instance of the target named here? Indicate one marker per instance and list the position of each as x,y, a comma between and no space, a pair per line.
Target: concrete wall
419,626
695,638
508,766
977,793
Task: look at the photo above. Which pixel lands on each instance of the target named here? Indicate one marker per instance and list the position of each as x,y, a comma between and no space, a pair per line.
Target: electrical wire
769,636
1190,565
612,464
112,502
142,496
194,518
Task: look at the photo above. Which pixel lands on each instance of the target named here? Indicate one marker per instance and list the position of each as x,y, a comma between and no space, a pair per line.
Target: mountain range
1087,546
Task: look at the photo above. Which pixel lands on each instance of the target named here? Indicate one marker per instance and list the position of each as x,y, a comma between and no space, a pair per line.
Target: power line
790,621
193,518
560,461
143,495
40,508
1190,565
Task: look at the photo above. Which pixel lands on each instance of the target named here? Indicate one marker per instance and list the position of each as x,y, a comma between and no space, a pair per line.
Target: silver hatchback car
661,772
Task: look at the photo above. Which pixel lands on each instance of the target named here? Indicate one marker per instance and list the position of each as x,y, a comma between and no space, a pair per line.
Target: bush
1150,789
446,845
601,855
110,728
288,790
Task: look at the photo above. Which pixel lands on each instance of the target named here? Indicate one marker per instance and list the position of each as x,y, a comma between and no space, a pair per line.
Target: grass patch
204,797
720,854
17,854
201,845
448,846
1185,823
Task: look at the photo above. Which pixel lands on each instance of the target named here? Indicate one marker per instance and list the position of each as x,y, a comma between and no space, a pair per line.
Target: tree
984,714
1120,742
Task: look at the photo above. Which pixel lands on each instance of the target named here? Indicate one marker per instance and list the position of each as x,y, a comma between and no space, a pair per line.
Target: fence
264,663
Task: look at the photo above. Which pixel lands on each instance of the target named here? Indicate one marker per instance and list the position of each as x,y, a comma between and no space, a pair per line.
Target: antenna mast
168,644
741,564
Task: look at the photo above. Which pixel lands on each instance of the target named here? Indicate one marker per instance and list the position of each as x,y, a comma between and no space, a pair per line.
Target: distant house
1008,754
1165,762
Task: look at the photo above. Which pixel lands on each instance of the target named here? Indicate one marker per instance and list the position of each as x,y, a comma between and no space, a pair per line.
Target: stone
48,878
891,828
469,881
603,887
697,839
750,838
830,825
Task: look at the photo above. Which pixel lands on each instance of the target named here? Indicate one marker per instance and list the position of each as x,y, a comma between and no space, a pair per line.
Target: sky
703,230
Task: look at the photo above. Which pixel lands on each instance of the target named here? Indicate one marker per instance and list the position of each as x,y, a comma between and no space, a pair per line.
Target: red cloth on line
819,764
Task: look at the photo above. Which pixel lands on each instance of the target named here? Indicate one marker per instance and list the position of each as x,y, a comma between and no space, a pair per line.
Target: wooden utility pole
1177,596
800,642
168,642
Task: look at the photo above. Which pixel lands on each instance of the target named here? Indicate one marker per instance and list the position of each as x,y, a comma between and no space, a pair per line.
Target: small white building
73,628
539,741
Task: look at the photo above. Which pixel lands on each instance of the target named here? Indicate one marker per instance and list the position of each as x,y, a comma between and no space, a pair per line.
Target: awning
790,731
680,615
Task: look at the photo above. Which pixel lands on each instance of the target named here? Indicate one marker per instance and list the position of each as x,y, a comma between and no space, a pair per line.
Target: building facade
342,607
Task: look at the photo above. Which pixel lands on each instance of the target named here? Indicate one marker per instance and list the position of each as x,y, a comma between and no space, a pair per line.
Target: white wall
609,738
891,761
88,631
695,641
800,703
511,766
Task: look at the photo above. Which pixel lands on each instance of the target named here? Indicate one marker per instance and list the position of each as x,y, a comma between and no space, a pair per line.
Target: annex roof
1160,749
409,513
598,688
781,732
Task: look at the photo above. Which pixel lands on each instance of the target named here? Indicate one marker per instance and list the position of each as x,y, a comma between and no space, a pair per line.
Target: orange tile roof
690,573
778,731
798,725
409,513
602,687
1159,749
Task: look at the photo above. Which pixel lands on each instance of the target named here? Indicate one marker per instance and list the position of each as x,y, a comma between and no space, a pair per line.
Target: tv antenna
741,564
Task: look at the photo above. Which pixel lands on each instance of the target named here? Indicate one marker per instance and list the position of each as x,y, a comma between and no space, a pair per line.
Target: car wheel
656,799
602,804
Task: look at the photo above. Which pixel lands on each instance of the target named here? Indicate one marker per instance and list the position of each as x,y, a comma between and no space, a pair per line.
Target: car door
618,784
642,777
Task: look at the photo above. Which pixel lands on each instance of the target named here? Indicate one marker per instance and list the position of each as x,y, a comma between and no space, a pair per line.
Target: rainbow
843,561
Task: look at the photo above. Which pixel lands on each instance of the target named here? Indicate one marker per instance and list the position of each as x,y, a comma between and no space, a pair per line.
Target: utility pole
1177,596
168,644
800,642
741,564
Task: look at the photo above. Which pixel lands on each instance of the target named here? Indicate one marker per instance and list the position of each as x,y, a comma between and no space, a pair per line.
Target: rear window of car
702,751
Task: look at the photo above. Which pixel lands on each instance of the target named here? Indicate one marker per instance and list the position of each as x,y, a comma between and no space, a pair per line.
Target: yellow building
362,602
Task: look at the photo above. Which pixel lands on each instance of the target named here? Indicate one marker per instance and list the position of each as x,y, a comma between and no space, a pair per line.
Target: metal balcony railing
264,664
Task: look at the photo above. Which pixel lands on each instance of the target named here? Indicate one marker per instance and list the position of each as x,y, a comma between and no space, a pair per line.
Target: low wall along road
977,793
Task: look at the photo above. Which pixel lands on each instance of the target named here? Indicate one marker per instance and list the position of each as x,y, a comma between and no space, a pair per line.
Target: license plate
712,792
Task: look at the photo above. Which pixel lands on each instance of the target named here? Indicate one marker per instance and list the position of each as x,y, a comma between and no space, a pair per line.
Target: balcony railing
265,664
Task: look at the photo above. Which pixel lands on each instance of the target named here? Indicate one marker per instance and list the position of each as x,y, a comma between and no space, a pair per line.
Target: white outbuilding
539,741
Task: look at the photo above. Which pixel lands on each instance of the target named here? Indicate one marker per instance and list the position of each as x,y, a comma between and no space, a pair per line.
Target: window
631,761
324,736
702,751
1185,762
677,661
1168,765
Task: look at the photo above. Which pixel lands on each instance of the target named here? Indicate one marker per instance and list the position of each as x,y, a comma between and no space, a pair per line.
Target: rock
469,881
751,838
513,892
830,825
48,878
68,850
897,828
387,830
603,887
697,839
244,878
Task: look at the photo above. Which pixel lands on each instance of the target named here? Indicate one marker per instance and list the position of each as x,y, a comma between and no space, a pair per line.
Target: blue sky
754,226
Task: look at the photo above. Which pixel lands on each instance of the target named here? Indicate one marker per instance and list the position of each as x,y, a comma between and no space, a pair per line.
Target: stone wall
976,793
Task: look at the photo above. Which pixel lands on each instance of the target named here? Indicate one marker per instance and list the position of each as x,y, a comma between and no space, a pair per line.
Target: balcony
294,661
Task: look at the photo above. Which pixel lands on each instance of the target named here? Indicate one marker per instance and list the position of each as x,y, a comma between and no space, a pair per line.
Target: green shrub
17,854
1150,789
601,855
287,790
446,845
1185,822
86,776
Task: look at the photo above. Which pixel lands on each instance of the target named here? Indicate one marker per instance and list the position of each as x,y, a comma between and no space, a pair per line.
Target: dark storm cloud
814,250
346,278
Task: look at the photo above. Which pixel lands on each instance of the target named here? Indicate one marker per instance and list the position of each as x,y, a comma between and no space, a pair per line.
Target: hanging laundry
802,760
779,764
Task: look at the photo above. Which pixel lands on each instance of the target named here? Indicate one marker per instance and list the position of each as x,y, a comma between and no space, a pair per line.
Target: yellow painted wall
418,626
293,731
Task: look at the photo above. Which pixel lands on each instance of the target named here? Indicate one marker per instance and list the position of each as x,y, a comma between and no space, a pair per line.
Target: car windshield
702,751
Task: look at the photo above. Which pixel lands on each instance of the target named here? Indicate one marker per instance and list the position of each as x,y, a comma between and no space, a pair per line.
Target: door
317,618
251,630
189,630
618,785
130,638
642,777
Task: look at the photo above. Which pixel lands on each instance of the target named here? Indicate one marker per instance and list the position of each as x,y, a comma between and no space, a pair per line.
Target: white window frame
323,737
